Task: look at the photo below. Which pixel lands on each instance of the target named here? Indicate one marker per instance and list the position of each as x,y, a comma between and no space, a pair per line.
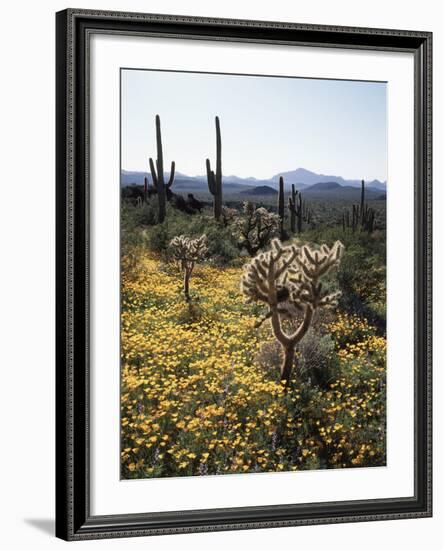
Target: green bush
221,244
131,236
362,279
159,237
362,272
317,362
138,215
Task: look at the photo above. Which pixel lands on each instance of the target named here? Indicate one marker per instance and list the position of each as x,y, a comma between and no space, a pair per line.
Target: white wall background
27,272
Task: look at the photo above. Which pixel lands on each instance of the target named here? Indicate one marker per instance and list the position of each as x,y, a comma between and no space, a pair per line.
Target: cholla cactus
188,252
255,229
228,215
287,280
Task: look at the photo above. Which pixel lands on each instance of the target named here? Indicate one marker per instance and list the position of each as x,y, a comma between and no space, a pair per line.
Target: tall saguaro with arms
215,179
158,176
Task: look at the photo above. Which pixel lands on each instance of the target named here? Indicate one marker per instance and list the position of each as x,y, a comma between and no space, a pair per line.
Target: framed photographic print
243,274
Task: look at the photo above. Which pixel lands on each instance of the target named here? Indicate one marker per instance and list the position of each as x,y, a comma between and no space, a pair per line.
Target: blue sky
268,124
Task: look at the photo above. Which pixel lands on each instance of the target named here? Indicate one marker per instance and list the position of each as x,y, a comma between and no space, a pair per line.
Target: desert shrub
269,357
146,214
159,237
317,363
139,214
362,278
221,244
131,238
362,272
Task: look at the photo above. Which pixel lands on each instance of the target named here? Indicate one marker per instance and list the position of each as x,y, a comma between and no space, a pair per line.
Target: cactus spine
158,176
297,208
287,279
215,179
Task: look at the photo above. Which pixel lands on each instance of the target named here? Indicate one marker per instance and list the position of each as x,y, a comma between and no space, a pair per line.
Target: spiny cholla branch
188,252
255,229
228,215
287,280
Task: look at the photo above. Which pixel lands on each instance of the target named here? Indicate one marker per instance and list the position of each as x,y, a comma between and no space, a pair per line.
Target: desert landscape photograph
252,274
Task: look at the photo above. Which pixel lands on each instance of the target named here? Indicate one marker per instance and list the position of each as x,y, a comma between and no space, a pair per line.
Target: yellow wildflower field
201,392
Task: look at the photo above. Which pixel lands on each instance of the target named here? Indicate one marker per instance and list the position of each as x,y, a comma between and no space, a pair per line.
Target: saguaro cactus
296,209
281,206
158,176
145,190
215,179
305,210
362,201
188,252
369,220
362,215
287,280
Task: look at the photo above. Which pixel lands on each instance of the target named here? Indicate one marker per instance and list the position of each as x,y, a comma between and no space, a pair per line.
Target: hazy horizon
268,124
147,171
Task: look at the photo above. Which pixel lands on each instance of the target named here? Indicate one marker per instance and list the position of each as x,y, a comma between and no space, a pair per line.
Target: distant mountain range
332,189
304,180
308,178
260,190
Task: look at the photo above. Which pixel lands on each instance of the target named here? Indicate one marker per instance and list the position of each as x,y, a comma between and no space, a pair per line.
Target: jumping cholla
287,280
188,252
255,229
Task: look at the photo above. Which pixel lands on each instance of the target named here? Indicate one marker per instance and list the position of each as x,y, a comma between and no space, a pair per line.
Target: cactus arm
145,189
304,326
287,262
153,173
211,177
218,168
279,333
171,175
159,149
277,329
